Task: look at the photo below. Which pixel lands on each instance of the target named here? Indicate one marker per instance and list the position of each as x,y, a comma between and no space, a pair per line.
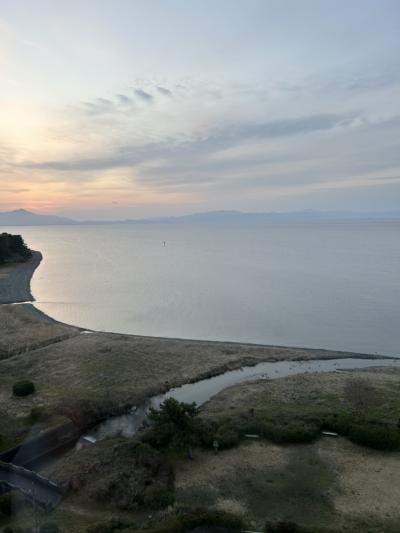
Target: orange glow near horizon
111,190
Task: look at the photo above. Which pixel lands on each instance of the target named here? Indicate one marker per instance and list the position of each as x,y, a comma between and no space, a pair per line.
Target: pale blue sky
114,108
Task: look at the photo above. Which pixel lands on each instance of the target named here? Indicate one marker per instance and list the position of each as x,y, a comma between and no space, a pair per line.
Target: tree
175,424
13,248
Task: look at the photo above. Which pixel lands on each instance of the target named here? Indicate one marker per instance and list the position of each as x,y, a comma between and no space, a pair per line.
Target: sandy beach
15,280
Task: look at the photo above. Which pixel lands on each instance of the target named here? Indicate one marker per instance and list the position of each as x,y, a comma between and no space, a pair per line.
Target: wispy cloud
214,141
123,99
164,90
143,95
15,190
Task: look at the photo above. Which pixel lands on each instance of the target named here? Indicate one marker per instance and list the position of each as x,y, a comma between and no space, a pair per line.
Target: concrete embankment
43,492
44,445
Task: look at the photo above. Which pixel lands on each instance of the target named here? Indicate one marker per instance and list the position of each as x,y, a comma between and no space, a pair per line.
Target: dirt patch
355,487
315,485
369,480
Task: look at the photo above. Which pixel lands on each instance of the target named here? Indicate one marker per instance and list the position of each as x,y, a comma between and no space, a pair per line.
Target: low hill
22,217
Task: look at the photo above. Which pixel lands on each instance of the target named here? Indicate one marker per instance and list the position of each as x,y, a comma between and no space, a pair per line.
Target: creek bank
202,391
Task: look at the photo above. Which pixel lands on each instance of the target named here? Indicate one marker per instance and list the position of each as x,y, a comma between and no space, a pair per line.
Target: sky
133,108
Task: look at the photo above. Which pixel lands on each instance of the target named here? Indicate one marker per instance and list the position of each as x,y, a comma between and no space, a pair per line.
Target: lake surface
333,285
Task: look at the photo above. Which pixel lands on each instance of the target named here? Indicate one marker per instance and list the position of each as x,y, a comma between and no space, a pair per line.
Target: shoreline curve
15,280
15,288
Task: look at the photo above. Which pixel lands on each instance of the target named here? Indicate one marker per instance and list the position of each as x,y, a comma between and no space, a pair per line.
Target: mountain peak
22,211
23,217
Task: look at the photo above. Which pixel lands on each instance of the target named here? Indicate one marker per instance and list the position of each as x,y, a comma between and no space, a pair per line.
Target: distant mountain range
22,217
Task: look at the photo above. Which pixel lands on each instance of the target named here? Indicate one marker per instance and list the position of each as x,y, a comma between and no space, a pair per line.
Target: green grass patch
302,422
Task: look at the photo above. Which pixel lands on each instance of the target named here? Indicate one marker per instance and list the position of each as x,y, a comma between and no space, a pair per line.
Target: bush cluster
370,433
6,504
112,525
49,527
366,432
158,498
183,520
23,388
13,248
287,527
38,413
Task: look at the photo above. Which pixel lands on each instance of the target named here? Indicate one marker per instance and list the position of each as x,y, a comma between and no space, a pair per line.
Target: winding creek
128,424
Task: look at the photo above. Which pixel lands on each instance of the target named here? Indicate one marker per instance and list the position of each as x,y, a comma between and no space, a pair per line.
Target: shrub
110,526
49,527
370,433
37,413
191,518
174,424
206,430
145,454
13,248
340,423
6,504
23,388
296,431
283,527
375,435
227,437
156,498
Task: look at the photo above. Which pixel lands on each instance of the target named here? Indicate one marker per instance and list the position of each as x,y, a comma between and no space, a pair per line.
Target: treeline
13,248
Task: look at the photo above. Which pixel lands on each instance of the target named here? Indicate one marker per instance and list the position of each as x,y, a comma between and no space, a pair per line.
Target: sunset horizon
124,109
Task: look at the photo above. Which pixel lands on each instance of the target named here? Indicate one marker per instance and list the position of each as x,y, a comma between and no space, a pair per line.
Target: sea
330,284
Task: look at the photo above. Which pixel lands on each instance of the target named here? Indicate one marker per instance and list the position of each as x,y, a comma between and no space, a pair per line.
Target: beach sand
15,280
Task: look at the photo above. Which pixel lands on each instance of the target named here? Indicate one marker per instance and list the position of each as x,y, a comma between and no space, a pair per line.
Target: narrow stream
200,392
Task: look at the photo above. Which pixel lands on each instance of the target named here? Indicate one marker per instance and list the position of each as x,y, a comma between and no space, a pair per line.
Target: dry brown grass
317,485
23,328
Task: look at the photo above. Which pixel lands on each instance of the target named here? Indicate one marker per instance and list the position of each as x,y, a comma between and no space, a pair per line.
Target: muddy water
200,392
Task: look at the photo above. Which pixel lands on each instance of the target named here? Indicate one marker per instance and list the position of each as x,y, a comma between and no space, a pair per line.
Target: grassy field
106,372
356,404
326,481
329,485
24,328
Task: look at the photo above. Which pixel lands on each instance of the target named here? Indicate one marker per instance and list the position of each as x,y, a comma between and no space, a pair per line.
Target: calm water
325,285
